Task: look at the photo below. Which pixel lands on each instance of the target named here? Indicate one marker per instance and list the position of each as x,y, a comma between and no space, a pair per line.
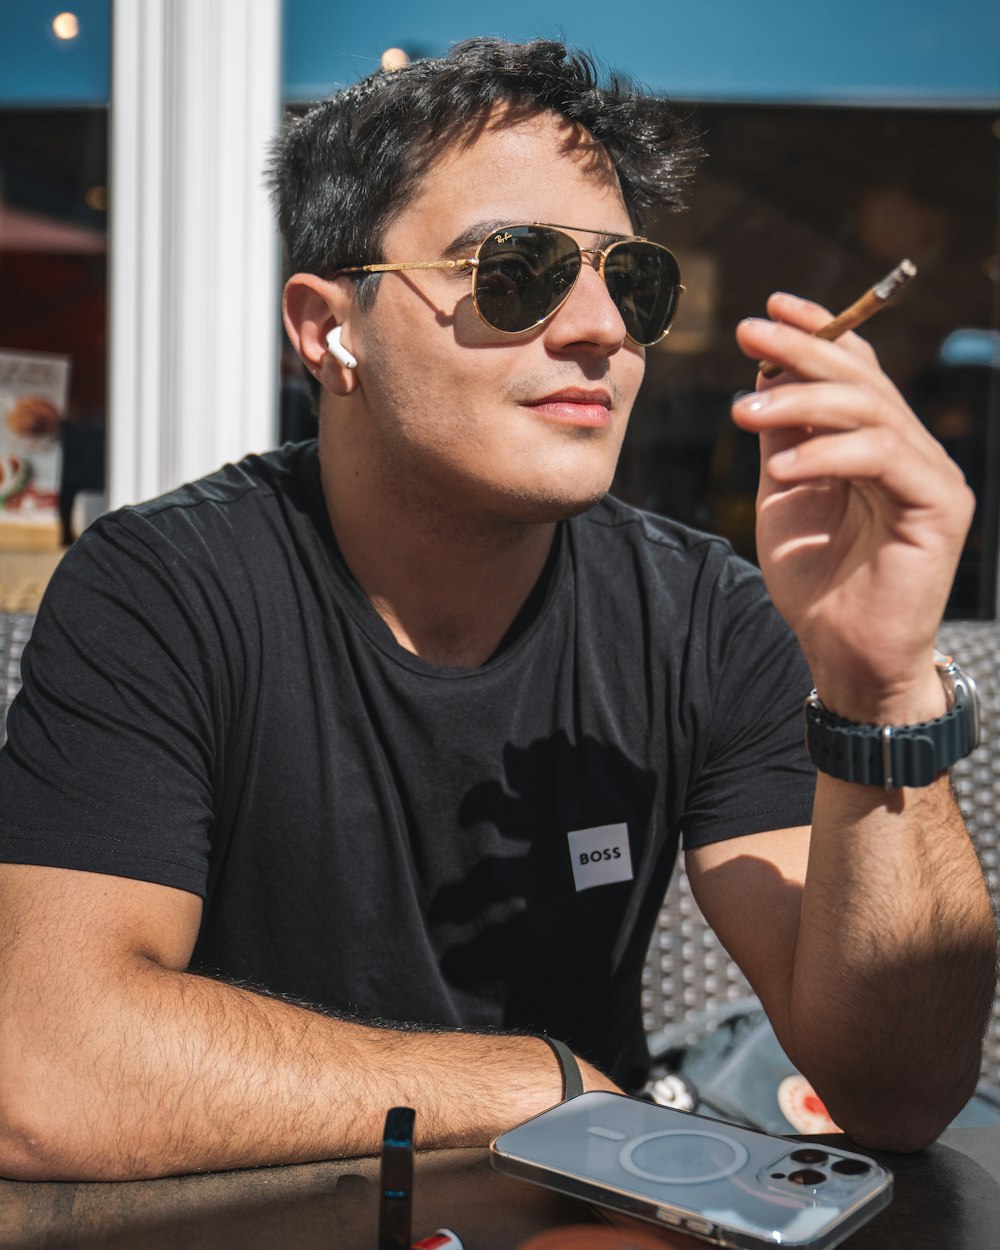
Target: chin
541,509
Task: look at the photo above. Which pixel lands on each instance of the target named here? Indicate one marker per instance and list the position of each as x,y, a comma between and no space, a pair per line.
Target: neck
447,581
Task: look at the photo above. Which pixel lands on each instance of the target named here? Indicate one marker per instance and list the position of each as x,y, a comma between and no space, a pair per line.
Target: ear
312,307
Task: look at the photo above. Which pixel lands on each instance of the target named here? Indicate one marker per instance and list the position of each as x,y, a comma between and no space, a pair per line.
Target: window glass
53,298
54,92
824,202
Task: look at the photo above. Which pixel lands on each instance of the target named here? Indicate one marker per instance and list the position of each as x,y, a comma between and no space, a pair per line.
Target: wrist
892,753
913,702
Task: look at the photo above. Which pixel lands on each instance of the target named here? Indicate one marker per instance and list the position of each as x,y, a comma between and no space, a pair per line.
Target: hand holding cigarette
861,514
858,312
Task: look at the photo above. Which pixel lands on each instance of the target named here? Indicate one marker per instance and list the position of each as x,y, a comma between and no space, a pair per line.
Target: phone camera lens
809,1154
852,1167
807,1176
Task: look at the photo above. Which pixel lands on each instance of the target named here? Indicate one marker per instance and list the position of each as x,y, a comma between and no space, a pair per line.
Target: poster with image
34,388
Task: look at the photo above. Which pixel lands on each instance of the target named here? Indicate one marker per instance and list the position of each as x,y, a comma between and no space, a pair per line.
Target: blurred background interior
137,254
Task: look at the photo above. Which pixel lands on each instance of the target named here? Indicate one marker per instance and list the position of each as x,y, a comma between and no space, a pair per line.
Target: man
408,729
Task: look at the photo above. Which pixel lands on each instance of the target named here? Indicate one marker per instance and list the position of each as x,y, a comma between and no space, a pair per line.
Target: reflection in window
823,202
53,297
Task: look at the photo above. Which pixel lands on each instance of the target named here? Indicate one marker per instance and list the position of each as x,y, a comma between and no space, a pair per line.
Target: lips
574,405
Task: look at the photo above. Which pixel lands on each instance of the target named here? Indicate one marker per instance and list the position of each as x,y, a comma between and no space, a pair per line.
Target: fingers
827,406
793,310
834,414
811,431
789,339
877,454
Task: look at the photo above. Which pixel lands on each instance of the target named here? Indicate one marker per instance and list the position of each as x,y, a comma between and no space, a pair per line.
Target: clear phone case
729,1185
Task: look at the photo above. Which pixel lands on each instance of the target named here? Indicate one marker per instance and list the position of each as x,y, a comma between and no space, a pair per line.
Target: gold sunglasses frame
472,263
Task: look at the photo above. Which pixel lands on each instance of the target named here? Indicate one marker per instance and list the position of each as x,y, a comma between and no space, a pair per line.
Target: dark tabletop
945,1198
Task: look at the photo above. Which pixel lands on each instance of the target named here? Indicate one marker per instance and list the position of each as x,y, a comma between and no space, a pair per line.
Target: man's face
522,427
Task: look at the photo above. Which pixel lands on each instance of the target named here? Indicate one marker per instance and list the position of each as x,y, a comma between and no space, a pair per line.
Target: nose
589,319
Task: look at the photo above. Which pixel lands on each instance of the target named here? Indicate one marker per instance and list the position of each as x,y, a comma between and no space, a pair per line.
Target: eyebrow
470,238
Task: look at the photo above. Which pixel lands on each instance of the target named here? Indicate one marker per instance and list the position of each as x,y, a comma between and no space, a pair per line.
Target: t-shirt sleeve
111,740
753,773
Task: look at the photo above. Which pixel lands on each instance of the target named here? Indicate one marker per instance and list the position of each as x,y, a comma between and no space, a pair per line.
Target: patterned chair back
14,630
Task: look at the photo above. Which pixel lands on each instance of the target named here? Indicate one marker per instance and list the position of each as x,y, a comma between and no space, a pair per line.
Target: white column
194,265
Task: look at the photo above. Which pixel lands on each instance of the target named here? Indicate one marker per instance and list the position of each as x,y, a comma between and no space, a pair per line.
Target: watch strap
571,1077
888,756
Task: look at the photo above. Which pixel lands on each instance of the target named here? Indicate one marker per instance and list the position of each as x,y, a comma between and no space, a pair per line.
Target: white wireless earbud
338,351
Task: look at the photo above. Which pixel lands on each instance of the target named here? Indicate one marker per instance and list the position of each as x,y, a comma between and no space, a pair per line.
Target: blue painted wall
38,68
926,52
854,51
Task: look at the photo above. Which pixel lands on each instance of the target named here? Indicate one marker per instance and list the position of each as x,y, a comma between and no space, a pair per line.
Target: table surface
945,1198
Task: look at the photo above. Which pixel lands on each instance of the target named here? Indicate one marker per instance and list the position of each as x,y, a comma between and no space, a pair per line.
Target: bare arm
875,962
874,956
117,1063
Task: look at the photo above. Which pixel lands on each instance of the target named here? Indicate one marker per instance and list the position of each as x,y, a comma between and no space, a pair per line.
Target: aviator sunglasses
521,275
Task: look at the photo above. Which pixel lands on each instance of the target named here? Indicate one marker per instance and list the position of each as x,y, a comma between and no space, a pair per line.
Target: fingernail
750,401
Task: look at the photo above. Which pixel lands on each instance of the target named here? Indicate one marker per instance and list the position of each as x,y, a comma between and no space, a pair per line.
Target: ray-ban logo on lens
599,856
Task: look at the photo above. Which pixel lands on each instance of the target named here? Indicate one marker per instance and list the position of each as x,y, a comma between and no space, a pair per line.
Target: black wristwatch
894,756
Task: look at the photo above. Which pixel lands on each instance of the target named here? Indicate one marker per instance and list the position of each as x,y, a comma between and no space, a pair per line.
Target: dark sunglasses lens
524,274
644,282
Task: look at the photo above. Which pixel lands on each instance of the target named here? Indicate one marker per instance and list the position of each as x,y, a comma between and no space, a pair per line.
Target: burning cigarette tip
899,277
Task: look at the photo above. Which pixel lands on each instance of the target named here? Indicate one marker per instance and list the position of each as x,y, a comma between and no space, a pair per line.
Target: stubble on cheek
479,453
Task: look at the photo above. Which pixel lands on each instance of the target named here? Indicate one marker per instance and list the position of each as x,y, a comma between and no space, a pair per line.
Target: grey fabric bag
736,1070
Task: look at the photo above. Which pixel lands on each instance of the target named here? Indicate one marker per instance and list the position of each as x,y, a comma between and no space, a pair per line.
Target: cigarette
858,312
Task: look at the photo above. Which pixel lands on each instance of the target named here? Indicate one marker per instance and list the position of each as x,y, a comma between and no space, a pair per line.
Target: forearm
861,518
169,1072
894,967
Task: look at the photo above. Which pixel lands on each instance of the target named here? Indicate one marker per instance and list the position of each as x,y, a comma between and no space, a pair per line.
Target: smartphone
728,1185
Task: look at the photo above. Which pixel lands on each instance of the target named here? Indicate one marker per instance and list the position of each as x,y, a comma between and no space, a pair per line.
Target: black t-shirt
211,702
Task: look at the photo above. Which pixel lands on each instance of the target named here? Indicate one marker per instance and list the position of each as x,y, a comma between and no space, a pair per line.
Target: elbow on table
906,1125
39,1140
24,1155
897,1137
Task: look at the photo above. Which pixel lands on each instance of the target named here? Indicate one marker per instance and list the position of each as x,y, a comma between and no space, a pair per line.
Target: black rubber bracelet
568,1066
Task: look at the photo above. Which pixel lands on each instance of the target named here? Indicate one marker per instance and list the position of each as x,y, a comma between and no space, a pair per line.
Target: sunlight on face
459,416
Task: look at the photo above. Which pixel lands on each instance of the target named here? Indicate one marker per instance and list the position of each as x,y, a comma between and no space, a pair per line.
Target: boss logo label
600,856
592,857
